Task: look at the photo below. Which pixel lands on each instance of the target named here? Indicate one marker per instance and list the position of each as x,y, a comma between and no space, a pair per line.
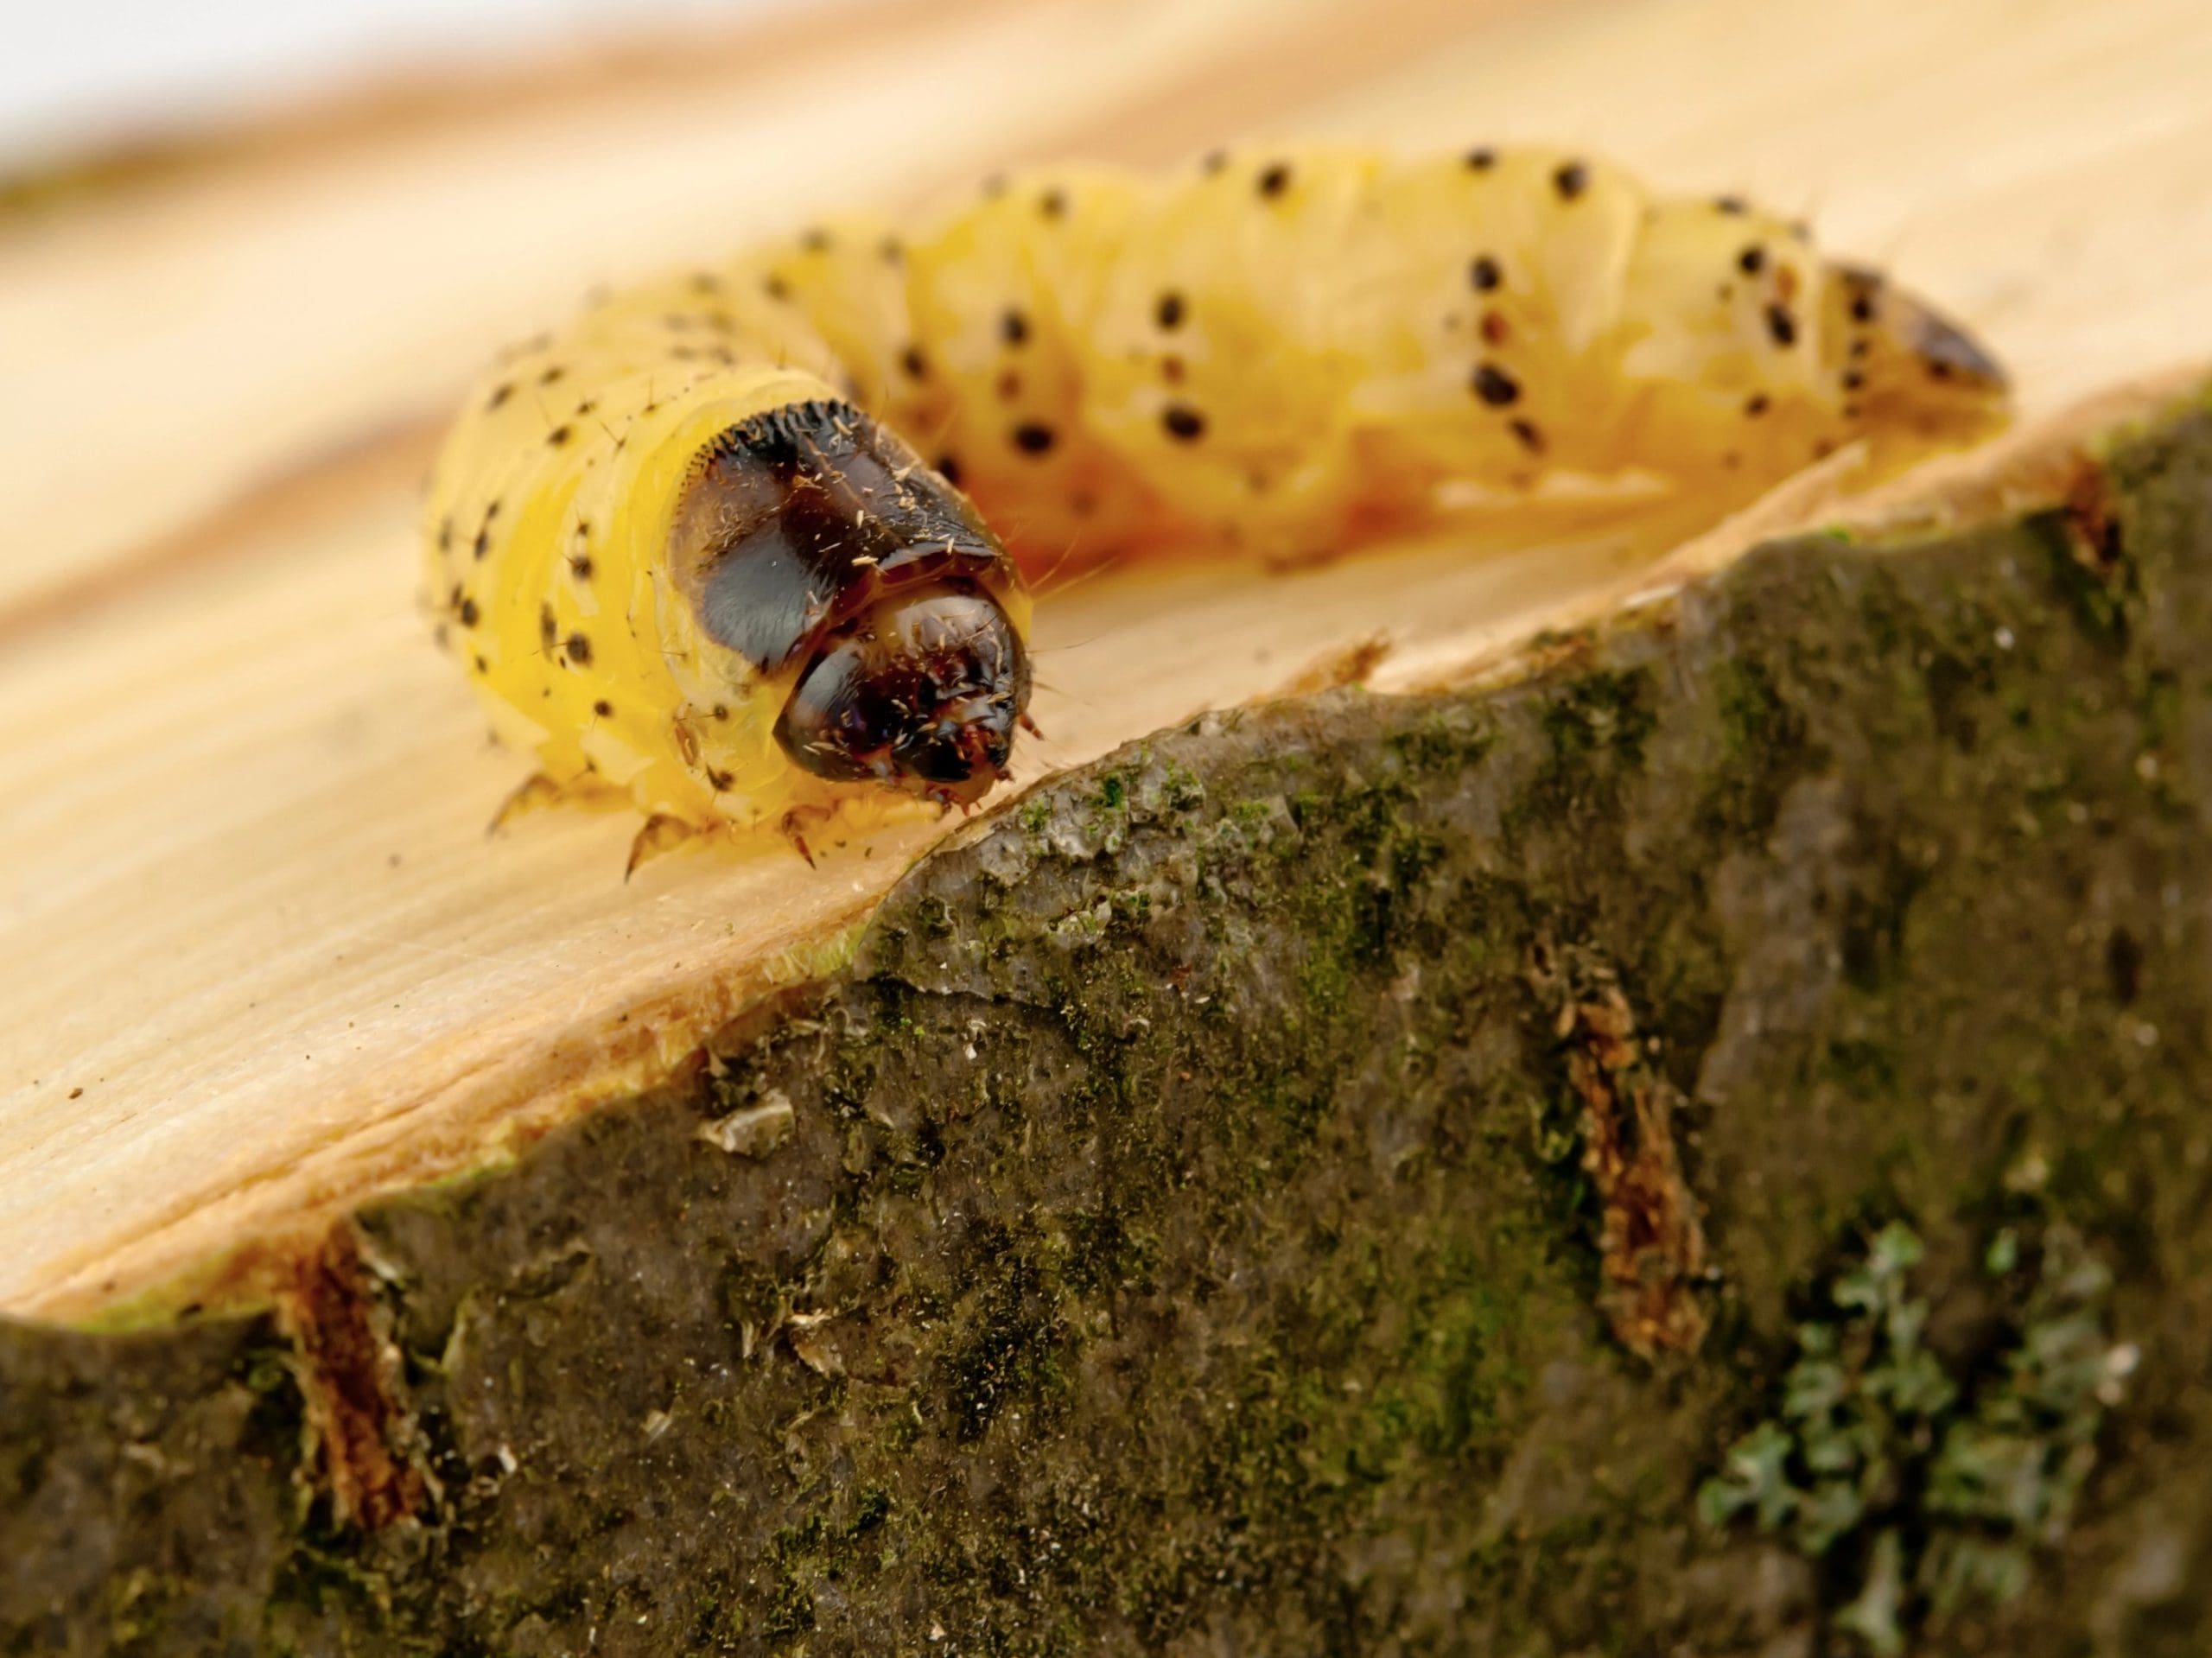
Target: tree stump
1524,1098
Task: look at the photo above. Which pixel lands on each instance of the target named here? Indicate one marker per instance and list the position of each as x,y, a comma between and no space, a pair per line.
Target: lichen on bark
1178,1230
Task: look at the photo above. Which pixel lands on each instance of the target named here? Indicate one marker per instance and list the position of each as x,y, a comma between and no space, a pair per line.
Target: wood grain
260,958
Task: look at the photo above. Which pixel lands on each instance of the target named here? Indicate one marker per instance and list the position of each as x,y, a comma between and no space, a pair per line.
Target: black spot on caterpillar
723,584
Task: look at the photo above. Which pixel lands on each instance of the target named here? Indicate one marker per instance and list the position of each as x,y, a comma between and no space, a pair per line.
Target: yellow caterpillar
736,543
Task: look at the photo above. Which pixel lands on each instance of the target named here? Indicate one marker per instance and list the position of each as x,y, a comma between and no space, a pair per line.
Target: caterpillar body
747,544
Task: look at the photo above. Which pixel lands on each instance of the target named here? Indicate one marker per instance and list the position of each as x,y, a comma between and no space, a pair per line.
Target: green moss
1763,749
1445,742
1594,727
1020,1350
1607,710
2092,573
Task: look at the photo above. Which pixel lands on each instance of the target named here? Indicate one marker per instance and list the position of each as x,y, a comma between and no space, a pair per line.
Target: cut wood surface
261,958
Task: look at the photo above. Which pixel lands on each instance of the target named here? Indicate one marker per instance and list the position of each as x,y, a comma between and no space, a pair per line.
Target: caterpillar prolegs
747,544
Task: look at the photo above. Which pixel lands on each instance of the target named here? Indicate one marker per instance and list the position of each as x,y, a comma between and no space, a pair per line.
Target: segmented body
1289,353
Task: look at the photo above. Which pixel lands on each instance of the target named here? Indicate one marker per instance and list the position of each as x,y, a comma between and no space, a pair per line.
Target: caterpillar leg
535,790
798,821
661,834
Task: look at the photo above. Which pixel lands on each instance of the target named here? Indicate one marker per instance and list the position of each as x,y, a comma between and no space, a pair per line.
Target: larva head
813,544
921,689
1904,368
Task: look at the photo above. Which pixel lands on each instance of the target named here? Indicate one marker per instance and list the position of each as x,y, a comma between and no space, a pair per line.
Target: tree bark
1470,1172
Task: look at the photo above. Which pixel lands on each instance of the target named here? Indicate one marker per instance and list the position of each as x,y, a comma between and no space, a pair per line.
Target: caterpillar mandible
747,544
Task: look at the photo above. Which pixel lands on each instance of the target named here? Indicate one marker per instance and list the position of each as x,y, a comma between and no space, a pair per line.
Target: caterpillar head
813,544
1905,368
922,691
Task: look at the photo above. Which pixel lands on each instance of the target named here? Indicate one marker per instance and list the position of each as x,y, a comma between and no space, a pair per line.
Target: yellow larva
736,543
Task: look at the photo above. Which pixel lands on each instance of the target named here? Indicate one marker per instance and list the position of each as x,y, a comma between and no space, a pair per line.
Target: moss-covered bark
1701,1150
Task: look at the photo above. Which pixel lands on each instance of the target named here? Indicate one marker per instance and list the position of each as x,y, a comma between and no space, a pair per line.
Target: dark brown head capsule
810,537
922,688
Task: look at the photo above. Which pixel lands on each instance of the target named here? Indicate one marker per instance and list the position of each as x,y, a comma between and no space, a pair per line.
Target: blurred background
75,78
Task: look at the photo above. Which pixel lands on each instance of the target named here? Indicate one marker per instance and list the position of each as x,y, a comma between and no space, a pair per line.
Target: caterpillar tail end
1911,370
